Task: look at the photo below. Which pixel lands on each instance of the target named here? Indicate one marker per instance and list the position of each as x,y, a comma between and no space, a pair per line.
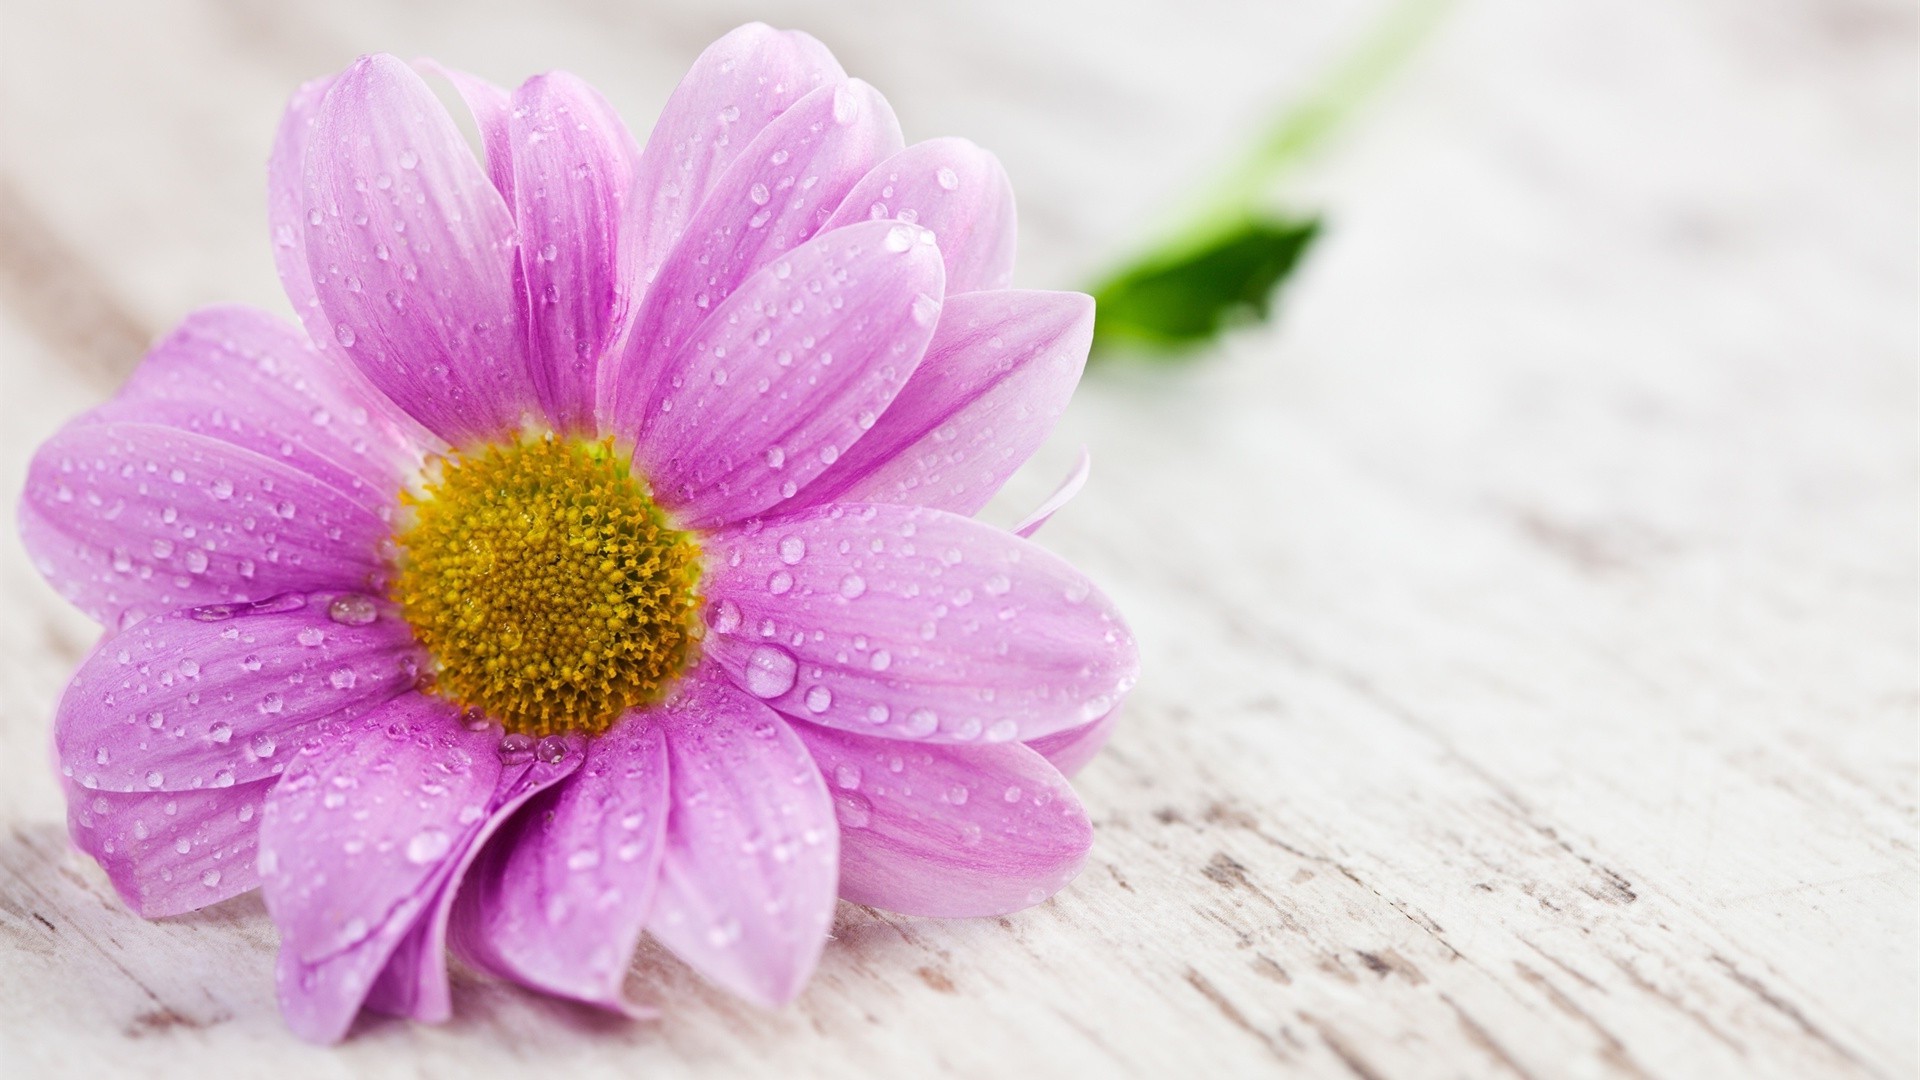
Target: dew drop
770,671
921,722
352,609
947,178
819,699
427,846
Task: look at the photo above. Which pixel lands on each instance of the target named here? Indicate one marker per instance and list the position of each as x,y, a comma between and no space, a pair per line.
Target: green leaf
1174,301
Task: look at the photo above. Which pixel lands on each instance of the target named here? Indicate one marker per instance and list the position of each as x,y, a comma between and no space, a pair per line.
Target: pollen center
549,588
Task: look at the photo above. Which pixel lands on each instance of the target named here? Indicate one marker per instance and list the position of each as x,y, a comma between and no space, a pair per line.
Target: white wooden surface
1529,621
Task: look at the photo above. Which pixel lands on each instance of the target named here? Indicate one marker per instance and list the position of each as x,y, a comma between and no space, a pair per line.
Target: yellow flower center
549,588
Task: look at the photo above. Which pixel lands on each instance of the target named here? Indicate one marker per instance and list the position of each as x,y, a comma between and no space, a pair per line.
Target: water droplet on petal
352,609
427,846
770,672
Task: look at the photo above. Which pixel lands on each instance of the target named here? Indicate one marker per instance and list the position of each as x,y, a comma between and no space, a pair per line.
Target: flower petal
492,110
287,206
773,198
359,843
790,370
169,852
414,981
573,170
559,901
958,191
1070,750
736,87
412,253
945,831
242,376
207,697
910,623
996,378
1062,495
747,884
128,520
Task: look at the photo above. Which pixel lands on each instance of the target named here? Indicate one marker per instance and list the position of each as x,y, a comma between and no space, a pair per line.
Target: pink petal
127,520
559,901
573,170
996,378
492,111
210,696
910,623
945,831
412,252
958,191
790,370
169,852
747,884
1061,496
287,206
736,87
1070,750
242,376
773,198
414,981
361,843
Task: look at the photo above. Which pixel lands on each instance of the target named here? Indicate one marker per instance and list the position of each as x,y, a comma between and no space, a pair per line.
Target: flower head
597,561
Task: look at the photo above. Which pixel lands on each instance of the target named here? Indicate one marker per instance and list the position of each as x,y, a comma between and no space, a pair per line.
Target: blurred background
1529,612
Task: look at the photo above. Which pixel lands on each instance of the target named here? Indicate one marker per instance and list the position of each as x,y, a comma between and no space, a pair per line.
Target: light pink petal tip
736,88
287,206
362,845
954,189
492,110
1071,750
412,253
169,852
948,831
748,880
996,377
558,902
131,519
790,372
1062,495
908,623
775,196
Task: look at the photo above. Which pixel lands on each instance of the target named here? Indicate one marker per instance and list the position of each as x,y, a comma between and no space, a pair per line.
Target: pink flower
597,562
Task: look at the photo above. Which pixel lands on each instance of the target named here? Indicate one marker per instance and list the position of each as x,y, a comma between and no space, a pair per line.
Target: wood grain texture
1529,621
